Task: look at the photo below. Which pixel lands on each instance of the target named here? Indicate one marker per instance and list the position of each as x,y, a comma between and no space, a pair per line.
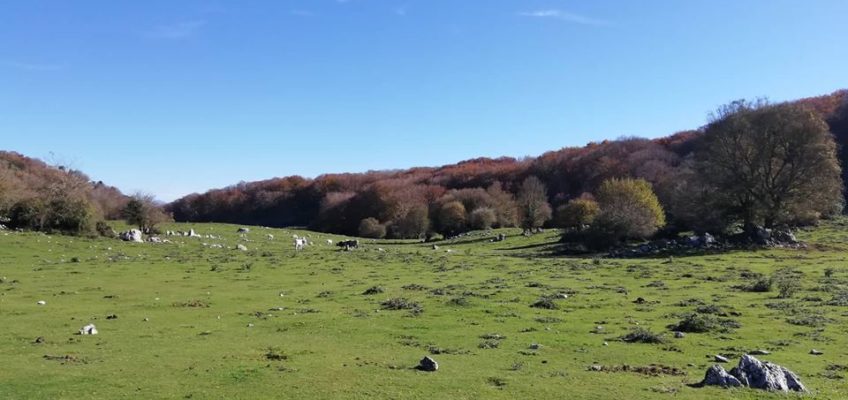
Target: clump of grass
702,323
758,285
274,354
546,303
192,304
548,320
709,309
787,281
489,344
459,302
690,302
414,286
373,290
641,335
496,382
399,303
811,320
839,299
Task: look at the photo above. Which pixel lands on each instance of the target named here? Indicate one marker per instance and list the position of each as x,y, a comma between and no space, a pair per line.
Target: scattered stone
640,300
241,247
243,230
679,335
717,376
815,352
721,359
111,316
39,340
41,302
89,329
760,352
428,364
535,346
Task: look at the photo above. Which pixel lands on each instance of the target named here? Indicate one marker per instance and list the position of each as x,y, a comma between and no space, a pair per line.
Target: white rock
89,329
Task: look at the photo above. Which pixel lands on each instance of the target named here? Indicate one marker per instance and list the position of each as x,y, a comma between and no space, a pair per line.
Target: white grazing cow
299,243
330,242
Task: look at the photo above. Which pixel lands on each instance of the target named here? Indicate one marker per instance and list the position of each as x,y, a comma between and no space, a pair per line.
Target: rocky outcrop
755,374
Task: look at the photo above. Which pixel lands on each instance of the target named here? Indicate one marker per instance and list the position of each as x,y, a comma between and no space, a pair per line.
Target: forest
485,192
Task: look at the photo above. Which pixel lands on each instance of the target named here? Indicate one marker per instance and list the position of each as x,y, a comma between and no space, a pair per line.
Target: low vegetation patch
641,335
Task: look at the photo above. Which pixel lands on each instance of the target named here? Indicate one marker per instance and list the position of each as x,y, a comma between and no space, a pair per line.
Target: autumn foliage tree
770,164
372,228
629,209
533,206
577,213
144,212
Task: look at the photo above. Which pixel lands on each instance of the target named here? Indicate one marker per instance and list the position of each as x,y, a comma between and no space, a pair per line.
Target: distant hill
338,202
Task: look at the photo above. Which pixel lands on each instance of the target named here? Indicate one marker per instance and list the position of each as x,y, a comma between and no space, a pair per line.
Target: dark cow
348,244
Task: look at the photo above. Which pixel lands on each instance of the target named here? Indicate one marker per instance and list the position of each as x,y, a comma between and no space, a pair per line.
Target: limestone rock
717,376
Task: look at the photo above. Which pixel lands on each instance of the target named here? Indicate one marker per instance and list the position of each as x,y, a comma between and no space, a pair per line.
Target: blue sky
174,97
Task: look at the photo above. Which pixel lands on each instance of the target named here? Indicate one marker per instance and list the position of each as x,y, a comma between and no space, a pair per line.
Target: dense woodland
753,164
488,192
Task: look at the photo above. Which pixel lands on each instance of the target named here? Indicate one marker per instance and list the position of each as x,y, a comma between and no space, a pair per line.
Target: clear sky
173,97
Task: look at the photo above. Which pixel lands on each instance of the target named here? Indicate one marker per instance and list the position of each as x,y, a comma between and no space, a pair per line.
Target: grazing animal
270,237
348,244
330,242
299,243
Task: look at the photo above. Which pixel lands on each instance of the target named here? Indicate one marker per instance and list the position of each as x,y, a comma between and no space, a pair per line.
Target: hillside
31,184
338,202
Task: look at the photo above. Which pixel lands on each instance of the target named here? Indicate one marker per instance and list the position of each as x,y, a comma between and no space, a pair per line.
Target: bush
452,218
577,213
787,282
63,214
546,303
371,228
641,335
629,210
103,229
760,285
482,218
702,323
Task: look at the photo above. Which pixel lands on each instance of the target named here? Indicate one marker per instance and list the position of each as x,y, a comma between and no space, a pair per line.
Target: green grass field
210,323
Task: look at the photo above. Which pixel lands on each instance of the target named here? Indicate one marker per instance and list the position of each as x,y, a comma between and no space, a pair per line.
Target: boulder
721,359
241,247
89,329
243,230
717,376
154,239
132,235
784,236
767,376
428,364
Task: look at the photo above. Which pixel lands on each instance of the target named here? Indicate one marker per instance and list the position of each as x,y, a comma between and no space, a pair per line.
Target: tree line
753,164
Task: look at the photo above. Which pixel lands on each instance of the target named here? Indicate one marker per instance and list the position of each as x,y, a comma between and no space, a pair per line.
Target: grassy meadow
186,320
